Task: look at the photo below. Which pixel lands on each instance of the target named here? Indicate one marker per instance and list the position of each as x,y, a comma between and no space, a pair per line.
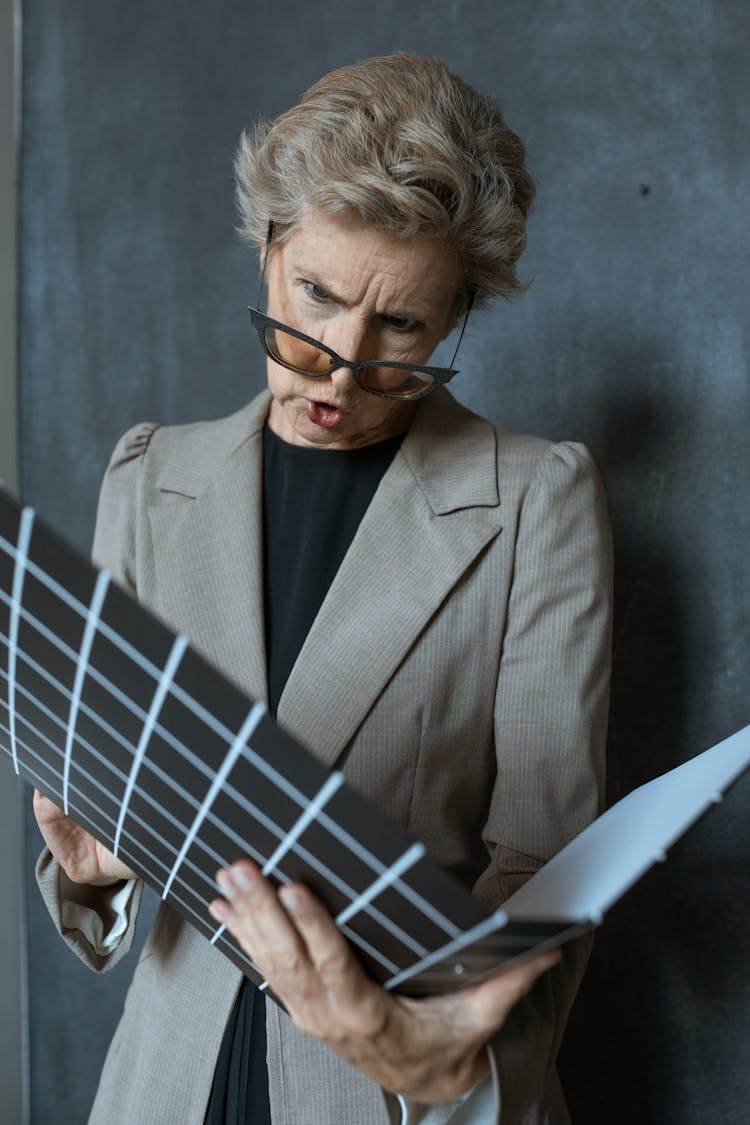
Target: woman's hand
431,1050
82,858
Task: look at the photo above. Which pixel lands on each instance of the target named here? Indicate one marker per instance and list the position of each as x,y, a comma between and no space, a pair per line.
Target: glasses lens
296,353
395,381
313,359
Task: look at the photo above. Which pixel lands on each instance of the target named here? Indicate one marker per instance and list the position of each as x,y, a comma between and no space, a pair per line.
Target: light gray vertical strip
14,1059
8,250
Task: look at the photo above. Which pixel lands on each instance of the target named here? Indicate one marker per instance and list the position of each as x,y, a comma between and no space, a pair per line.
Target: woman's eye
401,323
317,292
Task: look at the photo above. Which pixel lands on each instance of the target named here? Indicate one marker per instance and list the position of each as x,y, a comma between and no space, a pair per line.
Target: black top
313,503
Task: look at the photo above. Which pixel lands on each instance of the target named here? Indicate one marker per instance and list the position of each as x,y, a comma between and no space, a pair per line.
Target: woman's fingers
271,923
46,811
326,946
488,1005
352,1005
295,943
433,1049
254,914
82,858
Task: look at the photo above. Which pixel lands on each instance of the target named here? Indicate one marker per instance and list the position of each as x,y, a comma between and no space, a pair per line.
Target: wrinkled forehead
353,261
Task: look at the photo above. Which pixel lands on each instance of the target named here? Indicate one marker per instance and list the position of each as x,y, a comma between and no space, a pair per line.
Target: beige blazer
457,672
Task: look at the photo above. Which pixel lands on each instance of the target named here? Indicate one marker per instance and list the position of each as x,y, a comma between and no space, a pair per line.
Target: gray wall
632,338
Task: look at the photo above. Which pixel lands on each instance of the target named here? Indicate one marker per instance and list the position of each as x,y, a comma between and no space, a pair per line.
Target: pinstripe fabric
457,671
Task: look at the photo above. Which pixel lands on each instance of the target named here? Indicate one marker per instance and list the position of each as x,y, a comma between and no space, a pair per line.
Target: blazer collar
450,451
189,468
452,454
207,547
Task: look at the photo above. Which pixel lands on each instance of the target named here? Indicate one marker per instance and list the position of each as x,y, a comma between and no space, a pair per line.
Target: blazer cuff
79,912
478,1106
103,925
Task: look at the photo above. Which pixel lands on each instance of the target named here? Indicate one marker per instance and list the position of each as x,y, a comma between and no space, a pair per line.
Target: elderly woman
420,597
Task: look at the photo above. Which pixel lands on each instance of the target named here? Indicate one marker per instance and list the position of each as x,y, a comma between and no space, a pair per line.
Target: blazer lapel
435,510
208,549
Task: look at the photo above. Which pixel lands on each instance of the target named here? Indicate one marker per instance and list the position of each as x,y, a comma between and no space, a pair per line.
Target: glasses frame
439,375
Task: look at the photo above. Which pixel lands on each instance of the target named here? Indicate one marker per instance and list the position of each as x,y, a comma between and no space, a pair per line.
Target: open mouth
323,413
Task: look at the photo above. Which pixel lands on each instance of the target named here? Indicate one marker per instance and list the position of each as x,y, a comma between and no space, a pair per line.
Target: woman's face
365,295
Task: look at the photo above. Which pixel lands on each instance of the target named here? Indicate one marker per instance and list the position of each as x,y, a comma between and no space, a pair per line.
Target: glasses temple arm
472,295
269,236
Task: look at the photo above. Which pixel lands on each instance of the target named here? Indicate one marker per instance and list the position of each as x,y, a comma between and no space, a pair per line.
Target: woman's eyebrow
309,273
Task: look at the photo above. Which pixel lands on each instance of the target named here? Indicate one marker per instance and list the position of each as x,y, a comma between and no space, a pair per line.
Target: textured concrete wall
632,337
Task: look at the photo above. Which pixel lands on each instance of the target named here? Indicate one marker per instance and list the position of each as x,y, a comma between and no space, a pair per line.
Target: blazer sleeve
112,911
550,721
550,728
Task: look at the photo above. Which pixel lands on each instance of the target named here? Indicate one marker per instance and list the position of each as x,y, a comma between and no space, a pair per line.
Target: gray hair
409,148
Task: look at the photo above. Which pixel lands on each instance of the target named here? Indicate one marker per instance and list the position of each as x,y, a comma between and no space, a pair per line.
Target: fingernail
218,911
242,880
292,899
227,884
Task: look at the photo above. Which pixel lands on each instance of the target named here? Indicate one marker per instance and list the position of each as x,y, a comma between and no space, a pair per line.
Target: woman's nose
351,343
342,378
349,339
